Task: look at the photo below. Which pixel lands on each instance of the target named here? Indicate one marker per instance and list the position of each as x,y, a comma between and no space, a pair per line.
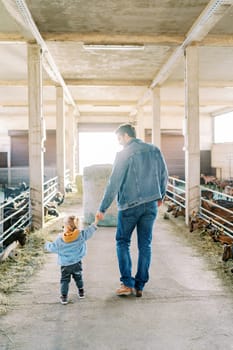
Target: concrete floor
184,306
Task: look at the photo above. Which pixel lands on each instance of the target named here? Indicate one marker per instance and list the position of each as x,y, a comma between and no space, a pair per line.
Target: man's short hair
126,129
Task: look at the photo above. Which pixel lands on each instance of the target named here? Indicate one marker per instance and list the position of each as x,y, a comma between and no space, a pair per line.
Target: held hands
98,216
96,220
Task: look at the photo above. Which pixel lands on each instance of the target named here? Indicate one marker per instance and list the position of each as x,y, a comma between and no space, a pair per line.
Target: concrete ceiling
107,84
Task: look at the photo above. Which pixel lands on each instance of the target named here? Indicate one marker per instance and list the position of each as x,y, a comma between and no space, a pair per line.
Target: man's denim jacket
139,175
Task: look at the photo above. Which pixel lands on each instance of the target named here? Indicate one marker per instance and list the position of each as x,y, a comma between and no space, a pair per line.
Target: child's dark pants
75,271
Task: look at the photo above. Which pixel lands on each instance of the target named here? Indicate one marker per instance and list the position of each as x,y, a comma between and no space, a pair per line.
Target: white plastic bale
95,179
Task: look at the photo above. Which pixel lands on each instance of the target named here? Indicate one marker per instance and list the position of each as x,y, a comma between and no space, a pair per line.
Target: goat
208,179
58,198
14,191
227,252
210,229
50,210
218,213
196,222
207,194
221,237
68,188
14,212
228,190
18,235
224,203
178,211
171,207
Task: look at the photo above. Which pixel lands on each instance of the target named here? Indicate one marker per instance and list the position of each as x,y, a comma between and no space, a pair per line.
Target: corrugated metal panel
3,159
20,149
172,148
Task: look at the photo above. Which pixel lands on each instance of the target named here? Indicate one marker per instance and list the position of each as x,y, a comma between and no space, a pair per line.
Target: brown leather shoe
138,293
124,290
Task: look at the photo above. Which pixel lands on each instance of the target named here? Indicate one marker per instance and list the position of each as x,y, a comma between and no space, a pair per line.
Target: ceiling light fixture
106,105
113,47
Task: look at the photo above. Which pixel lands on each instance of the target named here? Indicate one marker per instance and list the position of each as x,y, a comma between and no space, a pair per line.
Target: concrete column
36,135
140,125
60,140
79,176
192,133
156,132
71,142
77,161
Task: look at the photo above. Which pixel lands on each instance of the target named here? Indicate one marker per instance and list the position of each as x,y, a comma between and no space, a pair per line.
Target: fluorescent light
113,47
16,42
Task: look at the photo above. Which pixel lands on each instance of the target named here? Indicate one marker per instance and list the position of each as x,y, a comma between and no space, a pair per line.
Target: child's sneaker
81,293
64,299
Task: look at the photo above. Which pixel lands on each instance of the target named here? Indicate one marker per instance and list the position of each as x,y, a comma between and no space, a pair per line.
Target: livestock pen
216,206
15,215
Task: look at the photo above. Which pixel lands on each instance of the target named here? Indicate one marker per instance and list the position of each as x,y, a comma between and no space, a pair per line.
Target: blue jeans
142,218
75,271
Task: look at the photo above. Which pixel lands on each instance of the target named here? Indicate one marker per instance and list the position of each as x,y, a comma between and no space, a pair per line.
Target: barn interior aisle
186,305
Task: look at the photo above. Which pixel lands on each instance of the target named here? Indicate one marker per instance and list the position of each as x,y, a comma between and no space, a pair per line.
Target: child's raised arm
96,220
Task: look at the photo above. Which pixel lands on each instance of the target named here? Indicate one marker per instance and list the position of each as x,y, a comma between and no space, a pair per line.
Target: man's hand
100,215
160,202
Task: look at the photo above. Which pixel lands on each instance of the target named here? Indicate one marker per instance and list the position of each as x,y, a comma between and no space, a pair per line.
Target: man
139,179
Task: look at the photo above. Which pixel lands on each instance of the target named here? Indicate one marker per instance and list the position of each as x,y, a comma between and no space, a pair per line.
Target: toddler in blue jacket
70,247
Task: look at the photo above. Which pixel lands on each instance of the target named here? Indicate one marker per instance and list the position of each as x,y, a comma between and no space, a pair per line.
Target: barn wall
168,124
206,132
222,159
20,148
5,145
172,148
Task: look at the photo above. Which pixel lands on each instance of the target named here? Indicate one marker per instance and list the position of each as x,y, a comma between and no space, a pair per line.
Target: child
71,248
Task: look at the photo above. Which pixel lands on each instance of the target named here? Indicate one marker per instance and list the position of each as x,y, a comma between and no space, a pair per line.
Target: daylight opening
223,128
97,148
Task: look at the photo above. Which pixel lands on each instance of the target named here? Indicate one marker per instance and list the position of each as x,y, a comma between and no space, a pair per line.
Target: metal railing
215,206
67,177
176,191
14,214
50,189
